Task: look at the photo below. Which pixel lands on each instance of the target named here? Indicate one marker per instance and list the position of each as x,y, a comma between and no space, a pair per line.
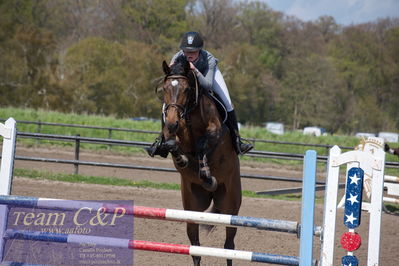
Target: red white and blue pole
158,213
153,246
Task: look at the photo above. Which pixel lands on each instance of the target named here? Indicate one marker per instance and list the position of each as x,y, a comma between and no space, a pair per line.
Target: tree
253,89
110,78
312,93
31,56
327,27
216,21
360,56
28,65
263,28
157,22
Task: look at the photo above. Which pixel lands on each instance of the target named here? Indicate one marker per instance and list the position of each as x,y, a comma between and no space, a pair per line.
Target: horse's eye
165,88
160,92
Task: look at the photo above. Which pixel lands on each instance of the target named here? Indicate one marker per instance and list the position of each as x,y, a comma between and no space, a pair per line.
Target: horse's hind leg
229,243
193,235
195,198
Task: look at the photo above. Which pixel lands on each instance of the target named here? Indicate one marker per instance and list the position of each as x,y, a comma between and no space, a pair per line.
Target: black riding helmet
191,41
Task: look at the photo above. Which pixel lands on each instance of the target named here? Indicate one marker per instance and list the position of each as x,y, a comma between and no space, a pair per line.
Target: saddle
219,105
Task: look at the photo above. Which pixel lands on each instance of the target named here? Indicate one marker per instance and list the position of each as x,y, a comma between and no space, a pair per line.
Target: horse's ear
166,68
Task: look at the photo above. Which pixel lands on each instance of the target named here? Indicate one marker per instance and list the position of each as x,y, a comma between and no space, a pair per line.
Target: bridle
187,108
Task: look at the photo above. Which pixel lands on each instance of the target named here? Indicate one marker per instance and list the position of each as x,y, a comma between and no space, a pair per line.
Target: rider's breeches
220,88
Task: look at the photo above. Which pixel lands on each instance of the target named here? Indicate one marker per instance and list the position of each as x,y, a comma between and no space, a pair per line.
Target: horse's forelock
177,69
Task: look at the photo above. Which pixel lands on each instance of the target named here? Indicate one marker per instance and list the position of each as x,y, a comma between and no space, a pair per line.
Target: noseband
186,109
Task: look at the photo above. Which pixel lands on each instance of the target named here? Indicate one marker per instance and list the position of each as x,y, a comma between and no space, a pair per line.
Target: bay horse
201,148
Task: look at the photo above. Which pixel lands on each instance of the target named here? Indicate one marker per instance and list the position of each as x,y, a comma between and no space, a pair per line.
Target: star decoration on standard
350,218
354,179
353,199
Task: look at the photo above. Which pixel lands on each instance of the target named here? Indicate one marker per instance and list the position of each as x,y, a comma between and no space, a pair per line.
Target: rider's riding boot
158,147
232,124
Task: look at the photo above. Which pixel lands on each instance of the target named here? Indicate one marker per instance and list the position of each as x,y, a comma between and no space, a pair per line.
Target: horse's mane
180,66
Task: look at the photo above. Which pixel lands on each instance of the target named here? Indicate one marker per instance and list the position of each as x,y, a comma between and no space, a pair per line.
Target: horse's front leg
205,146
209,181
180,159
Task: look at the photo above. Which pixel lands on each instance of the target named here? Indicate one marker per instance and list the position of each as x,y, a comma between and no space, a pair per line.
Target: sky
345,12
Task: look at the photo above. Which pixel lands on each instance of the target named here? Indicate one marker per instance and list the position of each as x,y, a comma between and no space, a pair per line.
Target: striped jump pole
153,246
159,213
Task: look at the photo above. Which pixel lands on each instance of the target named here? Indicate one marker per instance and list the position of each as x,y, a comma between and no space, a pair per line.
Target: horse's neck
203,119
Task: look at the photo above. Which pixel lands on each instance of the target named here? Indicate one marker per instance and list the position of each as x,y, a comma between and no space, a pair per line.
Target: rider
204,65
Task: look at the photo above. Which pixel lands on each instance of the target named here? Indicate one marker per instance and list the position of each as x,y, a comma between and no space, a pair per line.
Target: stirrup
243,147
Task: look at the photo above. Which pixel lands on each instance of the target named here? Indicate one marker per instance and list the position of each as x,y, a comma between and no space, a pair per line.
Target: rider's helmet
191,41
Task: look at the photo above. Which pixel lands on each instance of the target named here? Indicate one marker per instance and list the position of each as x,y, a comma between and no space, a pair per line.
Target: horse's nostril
172,127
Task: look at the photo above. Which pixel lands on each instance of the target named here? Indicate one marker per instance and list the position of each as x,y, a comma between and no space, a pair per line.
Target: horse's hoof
182,162
211,184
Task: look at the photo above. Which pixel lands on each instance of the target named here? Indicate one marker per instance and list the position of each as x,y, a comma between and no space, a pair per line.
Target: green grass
102,121
87,120
112,181
392,208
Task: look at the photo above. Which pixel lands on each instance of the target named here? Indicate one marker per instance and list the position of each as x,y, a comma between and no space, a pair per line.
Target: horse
201,148
394,151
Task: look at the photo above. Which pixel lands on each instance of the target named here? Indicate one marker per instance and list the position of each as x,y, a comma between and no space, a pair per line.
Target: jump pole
161,213
153,246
